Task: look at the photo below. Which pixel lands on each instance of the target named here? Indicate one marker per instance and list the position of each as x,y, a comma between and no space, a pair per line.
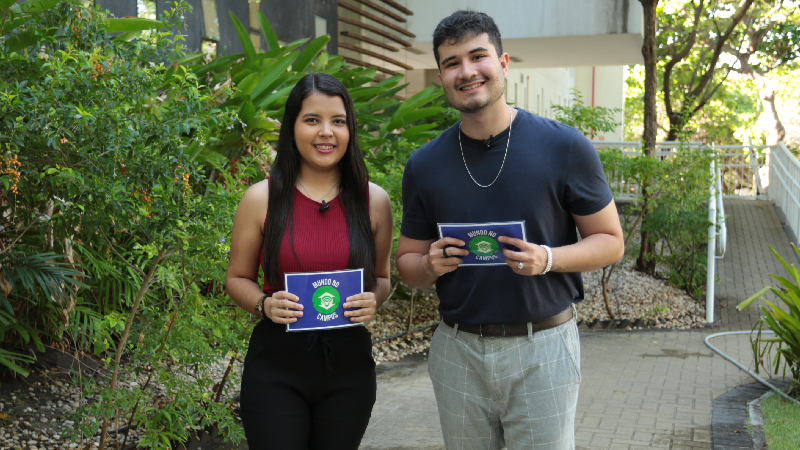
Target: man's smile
472,86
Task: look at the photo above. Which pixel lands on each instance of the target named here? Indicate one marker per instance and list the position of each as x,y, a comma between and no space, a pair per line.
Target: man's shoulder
550,128
434,149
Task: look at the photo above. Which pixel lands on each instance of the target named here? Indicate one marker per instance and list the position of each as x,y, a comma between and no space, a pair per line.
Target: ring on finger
444,252
520,265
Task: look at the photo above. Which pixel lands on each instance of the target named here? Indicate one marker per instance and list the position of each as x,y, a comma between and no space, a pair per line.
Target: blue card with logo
481,239
322,295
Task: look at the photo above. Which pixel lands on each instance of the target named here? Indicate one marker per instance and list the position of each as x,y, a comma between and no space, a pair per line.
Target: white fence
784,185
623,189
744,170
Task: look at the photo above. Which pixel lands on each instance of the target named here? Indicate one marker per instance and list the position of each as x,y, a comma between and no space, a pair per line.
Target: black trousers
307,390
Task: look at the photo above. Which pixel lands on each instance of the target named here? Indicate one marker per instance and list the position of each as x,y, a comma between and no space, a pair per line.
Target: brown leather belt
514,329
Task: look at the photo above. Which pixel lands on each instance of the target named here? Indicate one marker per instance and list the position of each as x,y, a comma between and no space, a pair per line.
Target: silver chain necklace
323,197
510,119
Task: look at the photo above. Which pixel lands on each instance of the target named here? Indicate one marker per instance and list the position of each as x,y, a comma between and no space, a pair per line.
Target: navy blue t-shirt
551,172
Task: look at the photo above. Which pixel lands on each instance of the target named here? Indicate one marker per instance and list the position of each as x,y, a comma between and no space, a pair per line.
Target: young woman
316,212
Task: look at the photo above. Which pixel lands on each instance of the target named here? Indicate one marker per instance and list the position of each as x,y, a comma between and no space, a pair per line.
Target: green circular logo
483,245
326,299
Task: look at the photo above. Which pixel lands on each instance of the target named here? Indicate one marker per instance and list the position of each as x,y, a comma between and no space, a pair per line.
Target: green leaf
311,51
211,157
424,135
366,92
10,364
420,99
419,128
269,34
402,118
128,36
244,37
190,58
13,24
5,4
246,86
786,320
391,81
270,75
22,40
240,76
749,301
218,65
267,102
131,24
247,112
290,47
393,91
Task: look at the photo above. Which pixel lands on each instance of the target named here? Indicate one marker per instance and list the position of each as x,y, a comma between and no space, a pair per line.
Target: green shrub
677,216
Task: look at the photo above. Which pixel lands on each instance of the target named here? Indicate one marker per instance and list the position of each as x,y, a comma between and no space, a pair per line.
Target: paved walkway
640,390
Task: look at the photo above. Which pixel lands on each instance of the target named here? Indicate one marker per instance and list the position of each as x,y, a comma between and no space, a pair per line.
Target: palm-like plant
785,324
35,280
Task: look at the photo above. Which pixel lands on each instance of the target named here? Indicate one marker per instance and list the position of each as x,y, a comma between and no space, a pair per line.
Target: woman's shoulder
380,207
258,192
377,193
254,201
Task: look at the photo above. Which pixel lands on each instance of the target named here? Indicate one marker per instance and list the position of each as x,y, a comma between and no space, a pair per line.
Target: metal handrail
712,246
722,233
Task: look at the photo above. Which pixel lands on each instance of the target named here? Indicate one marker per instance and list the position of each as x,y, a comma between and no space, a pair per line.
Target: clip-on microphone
324,207
487,142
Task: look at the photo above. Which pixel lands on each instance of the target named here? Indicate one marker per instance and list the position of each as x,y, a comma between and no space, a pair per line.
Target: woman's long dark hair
354,184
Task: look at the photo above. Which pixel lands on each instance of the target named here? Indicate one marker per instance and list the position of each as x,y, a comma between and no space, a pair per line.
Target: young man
505,361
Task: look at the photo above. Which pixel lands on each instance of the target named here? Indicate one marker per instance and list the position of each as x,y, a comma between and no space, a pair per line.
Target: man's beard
473,105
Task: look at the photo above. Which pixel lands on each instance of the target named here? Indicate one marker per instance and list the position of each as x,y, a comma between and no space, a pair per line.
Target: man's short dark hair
462,25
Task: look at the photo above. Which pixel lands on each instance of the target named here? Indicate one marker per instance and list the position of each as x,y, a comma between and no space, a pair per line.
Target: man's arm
421,263
602,244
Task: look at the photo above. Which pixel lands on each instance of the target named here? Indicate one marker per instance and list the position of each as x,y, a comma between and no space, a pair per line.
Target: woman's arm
247,240
382,227
380,212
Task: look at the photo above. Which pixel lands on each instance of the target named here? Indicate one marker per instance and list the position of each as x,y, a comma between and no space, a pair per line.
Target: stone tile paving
752,226
647,389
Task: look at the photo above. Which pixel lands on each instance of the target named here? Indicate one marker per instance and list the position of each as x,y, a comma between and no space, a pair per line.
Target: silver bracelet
549,259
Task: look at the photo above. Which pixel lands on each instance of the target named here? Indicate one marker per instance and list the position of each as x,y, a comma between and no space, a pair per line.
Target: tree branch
682,54
706,78
111,246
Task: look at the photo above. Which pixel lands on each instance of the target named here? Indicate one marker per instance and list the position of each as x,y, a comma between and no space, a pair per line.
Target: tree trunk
124,338
766,92
650,54
646,262
675,126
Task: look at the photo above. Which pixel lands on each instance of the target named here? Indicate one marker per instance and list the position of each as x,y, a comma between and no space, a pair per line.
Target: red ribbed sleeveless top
321,240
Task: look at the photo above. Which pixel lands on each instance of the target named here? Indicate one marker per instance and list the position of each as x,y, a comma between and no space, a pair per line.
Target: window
210,20
146,9
320,27
210,28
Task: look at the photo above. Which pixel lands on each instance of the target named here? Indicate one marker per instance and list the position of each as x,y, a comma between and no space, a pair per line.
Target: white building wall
544,37
535,18
607,90
536,90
